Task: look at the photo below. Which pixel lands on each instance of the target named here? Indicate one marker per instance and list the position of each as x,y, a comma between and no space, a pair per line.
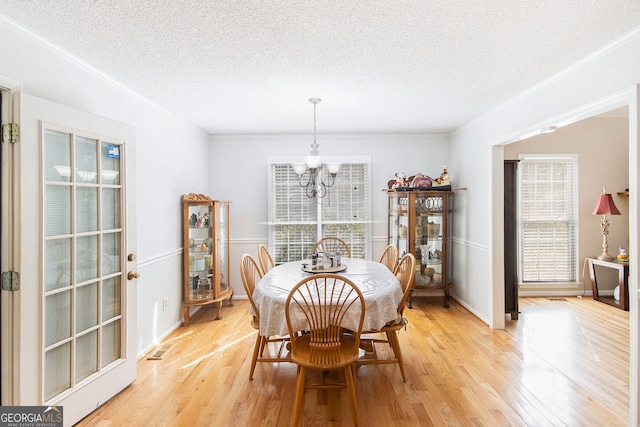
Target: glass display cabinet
205,260
420,223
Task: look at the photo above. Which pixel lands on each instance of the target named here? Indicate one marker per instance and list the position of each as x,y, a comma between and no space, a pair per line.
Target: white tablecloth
380,289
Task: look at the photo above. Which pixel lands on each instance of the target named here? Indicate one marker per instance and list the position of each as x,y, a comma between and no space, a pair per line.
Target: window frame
572,223
317,221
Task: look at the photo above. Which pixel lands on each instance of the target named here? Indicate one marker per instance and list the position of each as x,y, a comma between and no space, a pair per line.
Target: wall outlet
165,303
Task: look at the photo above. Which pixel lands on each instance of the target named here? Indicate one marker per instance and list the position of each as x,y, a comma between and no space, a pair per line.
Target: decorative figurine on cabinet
442,183
443,179
421,181
401,181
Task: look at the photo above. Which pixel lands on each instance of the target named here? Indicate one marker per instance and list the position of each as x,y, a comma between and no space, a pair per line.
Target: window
547,218
296,222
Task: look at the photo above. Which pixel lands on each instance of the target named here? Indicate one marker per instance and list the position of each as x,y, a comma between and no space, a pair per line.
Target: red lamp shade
605,206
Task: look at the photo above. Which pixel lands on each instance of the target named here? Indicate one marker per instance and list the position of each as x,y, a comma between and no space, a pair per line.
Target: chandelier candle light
605,207
314,185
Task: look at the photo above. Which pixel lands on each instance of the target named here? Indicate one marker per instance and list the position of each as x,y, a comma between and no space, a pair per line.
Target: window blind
294,219
547,222
345,209
293,216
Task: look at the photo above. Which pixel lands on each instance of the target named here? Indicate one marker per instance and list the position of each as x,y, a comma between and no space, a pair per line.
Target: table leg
623,282
592,276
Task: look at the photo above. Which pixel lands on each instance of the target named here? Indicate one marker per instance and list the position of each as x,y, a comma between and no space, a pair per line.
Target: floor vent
557,299
162,352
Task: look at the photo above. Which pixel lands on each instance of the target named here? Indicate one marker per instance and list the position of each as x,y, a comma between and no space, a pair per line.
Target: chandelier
313,184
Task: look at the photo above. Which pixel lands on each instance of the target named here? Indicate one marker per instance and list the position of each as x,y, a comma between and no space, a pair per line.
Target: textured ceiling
249,66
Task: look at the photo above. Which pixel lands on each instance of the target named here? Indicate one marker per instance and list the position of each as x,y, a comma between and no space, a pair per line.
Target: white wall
606,80
593,86
172,159
240,174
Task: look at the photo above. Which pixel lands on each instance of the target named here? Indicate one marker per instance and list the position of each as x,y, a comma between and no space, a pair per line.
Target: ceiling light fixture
314,185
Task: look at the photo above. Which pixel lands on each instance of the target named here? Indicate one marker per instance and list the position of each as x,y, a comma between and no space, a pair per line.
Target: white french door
76,226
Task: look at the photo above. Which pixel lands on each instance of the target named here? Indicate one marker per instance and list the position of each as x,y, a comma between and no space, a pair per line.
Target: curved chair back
405,272
319,304
390,257
332,245
251,274
265,259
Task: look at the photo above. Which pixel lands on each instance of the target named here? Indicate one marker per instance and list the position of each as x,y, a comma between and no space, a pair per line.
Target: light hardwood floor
565,362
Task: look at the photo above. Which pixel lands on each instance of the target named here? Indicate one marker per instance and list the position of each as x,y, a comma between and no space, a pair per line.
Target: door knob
131,275
131,257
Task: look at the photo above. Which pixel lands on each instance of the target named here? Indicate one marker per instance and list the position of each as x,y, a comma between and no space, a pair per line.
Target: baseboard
562,293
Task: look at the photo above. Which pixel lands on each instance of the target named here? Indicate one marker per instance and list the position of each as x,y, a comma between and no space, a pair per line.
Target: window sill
550,285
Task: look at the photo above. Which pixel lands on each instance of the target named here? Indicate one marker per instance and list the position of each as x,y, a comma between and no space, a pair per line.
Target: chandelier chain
315,186
314,144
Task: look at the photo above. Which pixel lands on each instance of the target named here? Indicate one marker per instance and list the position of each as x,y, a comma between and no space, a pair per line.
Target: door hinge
10,133
10,281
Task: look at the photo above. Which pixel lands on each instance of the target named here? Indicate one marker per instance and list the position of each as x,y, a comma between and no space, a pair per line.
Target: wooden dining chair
330,310
404,271
332,245
251,274
265,259
390,257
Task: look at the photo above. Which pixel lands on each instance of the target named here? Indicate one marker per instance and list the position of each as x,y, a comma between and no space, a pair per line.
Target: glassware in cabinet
399,223
205,253
424,217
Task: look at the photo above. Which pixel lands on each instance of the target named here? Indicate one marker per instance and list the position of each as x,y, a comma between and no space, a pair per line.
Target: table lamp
605,207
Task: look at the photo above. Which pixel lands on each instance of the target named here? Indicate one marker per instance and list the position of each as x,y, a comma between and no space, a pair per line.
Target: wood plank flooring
565,362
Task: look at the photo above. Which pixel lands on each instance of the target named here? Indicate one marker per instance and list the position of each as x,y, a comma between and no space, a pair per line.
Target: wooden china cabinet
420,223
205,260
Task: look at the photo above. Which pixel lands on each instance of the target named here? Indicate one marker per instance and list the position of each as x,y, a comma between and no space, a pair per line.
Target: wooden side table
623,282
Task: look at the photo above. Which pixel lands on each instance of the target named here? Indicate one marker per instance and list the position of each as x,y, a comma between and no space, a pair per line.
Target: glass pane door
200,218
399,223
223,243
83,259
430,225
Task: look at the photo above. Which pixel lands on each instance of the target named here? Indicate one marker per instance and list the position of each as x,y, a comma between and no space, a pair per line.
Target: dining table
379,286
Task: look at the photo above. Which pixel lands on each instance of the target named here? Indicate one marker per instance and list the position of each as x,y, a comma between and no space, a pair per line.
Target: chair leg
263,344
349,373
254,358
395,344
389,339
299,403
